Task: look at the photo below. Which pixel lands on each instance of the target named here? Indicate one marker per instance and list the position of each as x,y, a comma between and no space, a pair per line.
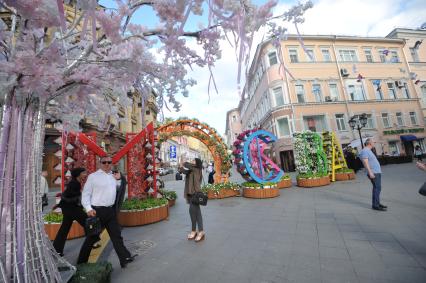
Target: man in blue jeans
374,173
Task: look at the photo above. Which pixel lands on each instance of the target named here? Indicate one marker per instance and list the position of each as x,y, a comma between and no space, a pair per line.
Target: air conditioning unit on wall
399,84
344,72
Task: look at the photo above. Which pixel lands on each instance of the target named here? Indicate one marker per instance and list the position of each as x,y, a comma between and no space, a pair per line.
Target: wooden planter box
172,202
316,182
284,184
52,229
345,176
225,193
261,193
128,218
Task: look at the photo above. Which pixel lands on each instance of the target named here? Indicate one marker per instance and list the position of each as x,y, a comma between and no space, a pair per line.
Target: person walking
211,172
418,153
98,198
193,179
71,208
374,173
44,189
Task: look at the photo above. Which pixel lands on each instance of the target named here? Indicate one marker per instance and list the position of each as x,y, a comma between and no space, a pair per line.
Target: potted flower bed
171,196
52,223
285,182
256,190
310,180
344,174
138,212
221,190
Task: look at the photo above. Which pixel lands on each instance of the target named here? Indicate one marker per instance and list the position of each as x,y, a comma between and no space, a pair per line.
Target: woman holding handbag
193,178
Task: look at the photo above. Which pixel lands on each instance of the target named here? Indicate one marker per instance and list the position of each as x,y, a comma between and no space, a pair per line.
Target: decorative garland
202,132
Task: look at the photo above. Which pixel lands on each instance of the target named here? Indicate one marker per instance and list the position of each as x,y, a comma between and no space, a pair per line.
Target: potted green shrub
137,212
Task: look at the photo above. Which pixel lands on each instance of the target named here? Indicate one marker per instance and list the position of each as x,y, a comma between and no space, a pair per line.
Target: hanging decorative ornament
68,174
149,156
58,167
69,147
148,145
150,179
150,167
359,78
69,160
58,153
58,181
386,52
417,82
354,69
58,140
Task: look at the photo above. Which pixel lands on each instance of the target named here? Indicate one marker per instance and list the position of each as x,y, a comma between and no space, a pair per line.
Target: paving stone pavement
327,234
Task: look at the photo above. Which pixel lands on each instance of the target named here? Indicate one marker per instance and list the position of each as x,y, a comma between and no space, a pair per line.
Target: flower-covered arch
207,135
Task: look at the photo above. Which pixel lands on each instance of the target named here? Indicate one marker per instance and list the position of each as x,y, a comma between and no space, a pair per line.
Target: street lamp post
358,122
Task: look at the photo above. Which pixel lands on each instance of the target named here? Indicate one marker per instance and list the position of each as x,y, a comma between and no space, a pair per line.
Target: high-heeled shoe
201,236
192,235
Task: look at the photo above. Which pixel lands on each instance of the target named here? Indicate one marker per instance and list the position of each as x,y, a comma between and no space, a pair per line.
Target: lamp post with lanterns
358,122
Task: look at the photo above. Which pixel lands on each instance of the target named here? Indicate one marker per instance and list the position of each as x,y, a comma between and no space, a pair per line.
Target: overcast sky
343,17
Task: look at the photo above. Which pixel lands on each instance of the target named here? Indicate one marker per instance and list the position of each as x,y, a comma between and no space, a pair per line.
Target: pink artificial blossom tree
51,67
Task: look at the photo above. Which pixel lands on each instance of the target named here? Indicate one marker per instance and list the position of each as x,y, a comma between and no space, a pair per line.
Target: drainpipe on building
410,80
345,94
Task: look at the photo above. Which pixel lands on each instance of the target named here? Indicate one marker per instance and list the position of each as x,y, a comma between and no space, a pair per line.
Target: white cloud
342,17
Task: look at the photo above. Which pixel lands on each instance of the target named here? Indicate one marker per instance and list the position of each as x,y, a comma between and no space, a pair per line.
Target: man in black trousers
98,198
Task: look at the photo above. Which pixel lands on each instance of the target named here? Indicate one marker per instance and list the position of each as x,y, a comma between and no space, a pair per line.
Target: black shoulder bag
199,198
92,226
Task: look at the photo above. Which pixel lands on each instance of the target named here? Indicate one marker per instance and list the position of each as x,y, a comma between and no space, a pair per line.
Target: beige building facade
415,52
291,90
233,126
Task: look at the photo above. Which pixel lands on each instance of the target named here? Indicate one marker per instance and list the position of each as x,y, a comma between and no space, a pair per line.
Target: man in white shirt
98,199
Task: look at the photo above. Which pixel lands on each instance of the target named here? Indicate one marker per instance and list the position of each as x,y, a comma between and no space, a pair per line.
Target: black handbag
92,226
422,190
44,200
199,198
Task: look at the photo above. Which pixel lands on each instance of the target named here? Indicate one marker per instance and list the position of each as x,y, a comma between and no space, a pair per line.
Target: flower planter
286,183
224,193
345,176
261,193
315,182
52,229
172,202
128,218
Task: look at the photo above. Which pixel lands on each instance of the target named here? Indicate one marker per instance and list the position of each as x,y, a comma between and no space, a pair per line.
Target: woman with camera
193,179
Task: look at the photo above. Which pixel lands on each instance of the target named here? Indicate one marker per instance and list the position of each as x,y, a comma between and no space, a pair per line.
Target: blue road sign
172,151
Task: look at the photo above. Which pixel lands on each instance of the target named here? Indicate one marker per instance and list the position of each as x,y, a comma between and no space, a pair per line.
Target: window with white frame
315,123
392,90
382,55
405,93
414,54
378,91
326,55
310,55
423,90
394,56
347,55
334,92
356,92
293,56
393,148
340,121
278,96
316,90
385,120
272,57
283,127
399,119
413,118
300,93
368,55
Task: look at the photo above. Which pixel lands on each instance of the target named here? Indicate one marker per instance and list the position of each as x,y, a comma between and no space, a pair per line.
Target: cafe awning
407,138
